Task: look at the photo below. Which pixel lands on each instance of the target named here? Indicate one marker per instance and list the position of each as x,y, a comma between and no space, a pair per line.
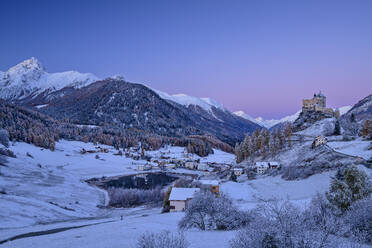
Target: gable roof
182,194
209,182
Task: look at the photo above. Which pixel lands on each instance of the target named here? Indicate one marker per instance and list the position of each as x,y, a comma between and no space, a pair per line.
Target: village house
273,165
191,165
212,185
319,140
261,167
143,167
203,167
179,198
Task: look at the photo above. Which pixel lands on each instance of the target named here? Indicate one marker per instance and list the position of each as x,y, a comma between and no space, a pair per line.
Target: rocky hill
353,120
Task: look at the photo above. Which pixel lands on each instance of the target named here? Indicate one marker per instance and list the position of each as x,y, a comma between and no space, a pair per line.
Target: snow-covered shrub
206,211
359,220
164,239
280,224
4,138
120,197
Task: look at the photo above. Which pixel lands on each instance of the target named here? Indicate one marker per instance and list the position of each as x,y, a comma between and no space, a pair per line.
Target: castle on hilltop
318,104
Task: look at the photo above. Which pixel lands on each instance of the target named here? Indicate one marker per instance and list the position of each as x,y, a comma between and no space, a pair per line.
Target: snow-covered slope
343,110
185,100
268,123
29,78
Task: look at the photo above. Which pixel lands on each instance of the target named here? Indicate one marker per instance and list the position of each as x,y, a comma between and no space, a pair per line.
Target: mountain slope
116,103
29,79
353,120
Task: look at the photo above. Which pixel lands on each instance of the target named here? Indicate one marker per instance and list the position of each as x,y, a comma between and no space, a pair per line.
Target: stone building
317,104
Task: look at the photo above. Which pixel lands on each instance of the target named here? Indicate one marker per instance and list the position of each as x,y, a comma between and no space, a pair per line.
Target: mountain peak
29,78
31,64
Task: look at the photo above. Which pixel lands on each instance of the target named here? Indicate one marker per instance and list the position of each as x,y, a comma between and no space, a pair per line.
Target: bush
120,197
280,224
163,239
359,220
206,211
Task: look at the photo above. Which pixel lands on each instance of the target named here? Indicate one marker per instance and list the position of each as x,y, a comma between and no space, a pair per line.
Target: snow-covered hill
29,78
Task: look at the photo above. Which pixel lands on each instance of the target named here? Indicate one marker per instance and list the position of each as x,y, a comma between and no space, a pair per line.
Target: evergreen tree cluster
263,143
41,130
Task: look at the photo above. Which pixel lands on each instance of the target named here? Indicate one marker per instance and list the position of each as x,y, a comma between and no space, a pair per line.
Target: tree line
263,143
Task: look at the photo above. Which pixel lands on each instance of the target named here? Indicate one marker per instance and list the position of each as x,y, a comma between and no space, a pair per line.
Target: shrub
359,220
120,197
163,239
206,211
280,224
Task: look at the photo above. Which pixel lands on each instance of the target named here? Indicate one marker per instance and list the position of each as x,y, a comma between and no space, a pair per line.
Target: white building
203,167
179,198
319,140
191,165
261,167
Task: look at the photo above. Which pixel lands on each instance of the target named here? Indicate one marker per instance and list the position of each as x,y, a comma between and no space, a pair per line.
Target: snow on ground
247,194
320,127
49,186
354,148
176,152
54,195
125,233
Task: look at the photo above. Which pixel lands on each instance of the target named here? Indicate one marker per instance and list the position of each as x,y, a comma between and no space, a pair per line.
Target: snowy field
354,148
248,194
48,191
46,186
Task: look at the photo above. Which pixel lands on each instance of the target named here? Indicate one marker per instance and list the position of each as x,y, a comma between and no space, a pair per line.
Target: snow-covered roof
182,194
209,182
238,169
262,164
274,163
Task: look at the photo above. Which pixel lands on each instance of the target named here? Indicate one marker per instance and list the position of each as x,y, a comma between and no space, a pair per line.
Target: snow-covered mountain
268,123
290,118
29,79
185,100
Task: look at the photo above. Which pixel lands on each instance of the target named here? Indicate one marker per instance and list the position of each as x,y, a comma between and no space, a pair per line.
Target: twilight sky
260,56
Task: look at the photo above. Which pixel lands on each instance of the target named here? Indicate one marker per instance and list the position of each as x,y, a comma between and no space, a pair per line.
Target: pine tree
337,130
347,187
352,117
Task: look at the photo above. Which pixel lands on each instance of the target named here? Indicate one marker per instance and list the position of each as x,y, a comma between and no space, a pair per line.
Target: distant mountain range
290,118
85,99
